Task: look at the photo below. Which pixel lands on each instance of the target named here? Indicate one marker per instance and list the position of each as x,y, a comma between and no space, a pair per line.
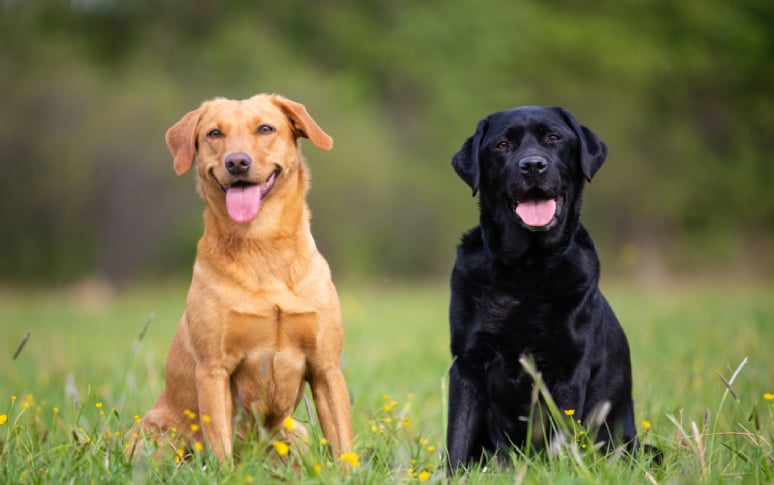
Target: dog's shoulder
474,257
471,243
472,265
578,265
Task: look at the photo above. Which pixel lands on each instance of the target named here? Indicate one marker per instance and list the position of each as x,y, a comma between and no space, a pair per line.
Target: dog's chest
270,328
507,324
271,348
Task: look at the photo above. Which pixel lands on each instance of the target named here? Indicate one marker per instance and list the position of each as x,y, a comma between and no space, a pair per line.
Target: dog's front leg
215,407
466,434
329,391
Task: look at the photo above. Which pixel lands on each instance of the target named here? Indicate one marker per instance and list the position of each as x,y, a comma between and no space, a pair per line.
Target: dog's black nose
238,163
533,165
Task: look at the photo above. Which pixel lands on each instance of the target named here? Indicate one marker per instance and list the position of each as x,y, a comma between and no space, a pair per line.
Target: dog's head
244,149
529,164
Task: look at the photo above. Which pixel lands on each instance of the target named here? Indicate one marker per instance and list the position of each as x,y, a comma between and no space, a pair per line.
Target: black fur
520,290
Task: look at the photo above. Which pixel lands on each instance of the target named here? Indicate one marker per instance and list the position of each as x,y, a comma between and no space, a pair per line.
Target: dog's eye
503,145
265,129
214,133
553,138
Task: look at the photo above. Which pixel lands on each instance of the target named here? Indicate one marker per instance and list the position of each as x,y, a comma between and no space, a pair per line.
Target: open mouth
538,211
244,199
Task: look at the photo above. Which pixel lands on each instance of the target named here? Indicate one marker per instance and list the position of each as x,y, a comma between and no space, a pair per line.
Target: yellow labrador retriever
262,315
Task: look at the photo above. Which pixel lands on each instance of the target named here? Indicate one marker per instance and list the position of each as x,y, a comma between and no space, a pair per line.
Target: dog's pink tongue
536,213
243,202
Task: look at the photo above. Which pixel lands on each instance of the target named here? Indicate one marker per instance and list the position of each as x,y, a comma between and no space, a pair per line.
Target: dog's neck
533,262
278,236
287,224
510,242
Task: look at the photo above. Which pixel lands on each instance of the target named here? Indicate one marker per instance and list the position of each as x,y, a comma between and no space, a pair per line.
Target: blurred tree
679,91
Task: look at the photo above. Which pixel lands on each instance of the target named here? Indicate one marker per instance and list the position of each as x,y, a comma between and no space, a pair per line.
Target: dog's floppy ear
302,122
593,150
465,161
181,140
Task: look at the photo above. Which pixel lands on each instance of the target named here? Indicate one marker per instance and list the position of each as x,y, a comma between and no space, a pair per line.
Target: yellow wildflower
198,446
194,427
56,410
3,418
411,473
281,447
431,448
645,424
206,418
317,468
137,418
387,408
352,458
180,452
410,396
406,422
424,476
569,412
249,479
289,423
99,405
323,441
768,396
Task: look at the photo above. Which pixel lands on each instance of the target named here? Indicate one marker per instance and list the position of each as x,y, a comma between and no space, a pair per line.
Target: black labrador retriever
525,283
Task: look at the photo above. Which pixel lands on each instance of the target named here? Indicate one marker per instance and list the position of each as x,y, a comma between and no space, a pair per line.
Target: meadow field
703,360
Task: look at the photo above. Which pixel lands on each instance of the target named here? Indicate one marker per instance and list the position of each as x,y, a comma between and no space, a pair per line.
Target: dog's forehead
242,111
528,117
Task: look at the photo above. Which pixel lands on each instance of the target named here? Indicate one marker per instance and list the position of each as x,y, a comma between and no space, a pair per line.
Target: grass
702,359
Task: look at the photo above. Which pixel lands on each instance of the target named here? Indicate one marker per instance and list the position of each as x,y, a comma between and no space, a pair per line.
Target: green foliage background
680,91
